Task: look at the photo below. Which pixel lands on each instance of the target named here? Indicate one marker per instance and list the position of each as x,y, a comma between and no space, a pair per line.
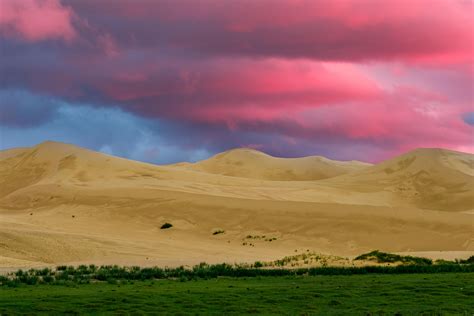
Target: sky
163,81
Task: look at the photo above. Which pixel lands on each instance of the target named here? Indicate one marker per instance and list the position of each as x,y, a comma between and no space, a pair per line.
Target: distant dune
249,163
61,204
429,178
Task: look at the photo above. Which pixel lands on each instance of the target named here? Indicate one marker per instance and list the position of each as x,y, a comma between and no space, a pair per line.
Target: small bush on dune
257,264
469,260
384,257
166,226
217,232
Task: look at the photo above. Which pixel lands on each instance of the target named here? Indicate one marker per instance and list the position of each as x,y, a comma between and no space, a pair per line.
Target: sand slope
429,178
63,204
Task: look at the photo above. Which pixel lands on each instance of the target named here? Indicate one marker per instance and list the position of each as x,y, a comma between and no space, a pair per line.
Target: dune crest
250,163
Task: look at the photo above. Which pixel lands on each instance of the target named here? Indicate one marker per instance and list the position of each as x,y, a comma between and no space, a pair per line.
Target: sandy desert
61,204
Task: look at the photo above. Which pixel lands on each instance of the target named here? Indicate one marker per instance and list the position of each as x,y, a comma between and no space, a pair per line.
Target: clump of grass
384,257
166,226
217,232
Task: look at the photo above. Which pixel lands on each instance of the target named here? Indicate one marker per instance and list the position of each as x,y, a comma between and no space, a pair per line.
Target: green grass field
373,294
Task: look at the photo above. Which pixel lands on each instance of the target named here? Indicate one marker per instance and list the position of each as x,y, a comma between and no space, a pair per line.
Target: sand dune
63,204
249,163
429,178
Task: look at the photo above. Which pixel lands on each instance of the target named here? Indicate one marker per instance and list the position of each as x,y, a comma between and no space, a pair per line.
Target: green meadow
356,294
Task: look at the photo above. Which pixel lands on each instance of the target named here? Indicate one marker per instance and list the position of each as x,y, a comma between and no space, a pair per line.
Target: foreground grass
70,275
375,294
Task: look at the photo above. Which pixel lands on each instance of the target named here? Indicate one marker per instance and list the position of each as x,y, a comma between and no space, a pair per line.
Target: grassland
411,286
371,294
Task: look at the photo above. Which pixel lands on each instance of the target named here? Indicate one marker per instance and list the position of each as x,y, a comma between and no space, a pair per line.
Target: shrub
166,226
217,232
469,260
384,257
257,264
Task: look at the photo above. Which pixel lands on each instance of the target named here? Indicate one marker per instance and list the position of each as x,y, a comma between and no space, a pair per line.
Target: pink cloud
417,31
232,90
36,20
392,74
404,119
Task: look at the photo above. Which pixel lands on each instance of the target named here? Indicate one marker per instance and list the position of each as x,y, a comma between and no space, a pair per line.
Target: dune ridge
62,204
250,163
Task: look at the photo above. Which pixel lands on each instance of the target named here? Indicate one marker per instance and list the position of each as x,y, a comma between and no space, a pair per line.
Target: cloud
365,30
36,20
339,78
19,108
108,130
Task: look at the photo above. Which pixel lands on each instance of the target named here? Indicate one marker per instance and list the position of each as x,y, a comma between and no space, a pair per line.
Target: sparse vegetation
166,226
260,237
384,257
86,274
469,260
308,258
248,244
217,232
85,288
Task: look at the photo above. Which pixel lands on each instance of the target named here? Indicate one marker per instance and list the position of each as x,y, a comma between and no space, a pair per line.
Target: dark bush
469,260
384,257
257,264
166,226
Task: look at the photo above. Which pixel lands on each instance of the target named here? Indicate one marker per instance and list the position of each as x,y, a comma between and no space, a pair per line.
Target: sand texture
61,204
